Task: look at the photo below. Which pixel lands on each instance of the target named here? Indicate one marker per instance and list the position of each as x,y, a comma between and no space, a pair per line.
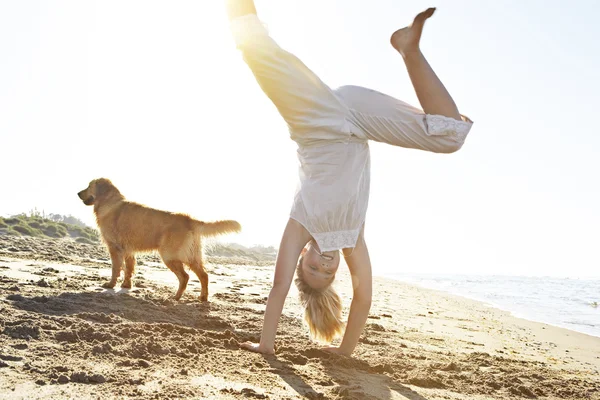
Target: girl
332,129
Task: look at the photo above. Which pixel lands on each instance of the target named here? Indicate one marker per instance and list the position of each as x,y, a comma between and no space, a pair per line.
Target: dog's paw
108,285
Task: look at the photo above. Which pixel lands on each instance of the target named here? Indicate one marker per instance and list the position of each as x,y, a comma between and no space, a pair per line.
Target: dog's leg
129,269
198,268
177,268
116,256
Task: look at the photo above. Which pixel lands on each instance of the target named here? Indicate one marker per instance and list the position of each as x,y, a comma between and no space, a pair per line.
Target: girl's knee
449,146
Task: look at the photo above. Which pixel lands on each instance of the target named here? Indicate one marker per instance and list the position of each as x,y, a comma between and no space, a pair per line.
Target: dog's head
97,191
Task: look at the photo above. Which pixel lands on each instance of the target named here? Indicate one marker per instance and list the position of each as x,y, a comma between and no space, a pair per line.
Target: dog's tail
219,227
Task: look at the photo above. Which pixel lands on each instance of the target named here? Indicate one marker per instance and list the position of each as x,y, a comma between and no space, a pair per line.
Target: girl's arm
359,264
295,237
239,8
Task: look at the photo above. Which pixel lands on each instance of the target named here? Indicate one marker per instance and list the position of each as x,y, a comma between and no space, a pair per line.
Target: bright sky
153,95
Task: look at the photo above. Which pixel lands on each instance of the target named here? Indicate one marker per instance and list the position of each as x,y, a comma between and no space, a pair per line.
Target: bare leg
177,268
433,96
129,269
198,268
116,257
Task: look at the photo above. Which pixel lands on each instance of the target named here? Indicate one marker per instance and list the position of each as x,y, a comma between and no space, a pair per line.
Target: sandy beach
63,336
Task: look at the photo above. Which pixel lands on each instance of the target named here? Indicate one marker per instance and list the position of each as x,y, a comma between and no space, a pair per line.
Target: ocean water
565,302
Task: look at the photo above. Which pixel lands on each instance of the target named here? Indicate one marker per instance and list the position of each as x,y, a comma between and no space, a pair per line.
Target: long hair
322,308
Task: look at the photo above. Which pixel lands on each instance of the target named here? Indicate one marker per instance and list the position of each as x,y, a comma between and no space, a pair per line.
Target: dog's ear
103,187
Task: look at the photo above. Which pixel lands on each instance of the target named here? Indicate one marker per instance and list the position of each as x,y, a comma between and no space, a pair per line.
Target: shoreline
488,303
543,329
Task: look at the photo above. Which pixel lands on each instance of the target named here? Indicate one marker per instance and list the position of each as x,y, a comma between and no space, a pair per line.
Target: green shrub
76,231
92,234
12,221
35,224
12,232
86,233
55,231
3,224
25,230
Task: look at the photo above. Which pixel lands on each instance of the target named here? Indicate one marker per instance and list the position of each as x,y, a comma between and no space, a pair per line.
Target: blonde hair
322,308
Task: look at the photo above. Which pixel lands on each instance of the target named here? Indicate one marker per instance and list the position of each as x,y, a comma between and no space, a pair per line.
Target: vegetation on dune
39,224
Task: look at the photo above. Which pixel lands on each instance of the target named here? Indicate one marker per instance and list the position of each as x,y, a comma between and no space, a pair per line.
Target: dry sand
62,336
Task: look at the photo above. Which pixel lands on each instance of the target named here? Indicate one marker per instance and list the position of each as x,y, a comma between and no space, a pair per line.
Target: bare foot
335,350
256,348
406,40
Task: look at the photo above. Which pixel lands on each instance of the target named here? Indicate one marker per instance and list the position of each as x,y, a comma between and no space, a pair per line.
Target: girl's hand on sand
336,350
256,348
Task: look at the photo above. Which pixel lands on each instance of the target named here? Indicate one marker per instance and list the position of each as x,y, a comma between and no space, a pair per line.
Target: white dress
332,129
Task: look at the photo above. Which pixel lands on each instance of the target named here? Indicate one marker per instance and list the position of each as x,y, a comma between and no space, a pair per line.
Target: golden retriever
128,228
